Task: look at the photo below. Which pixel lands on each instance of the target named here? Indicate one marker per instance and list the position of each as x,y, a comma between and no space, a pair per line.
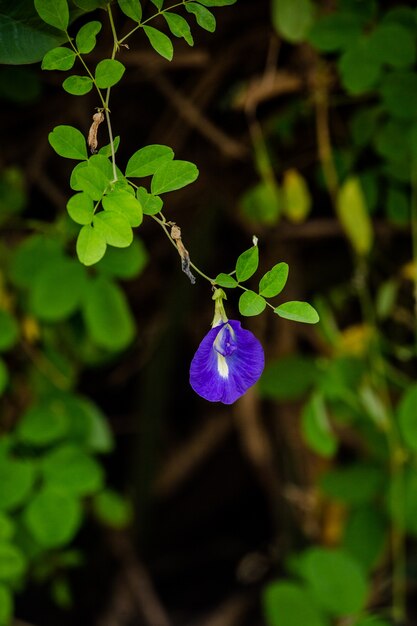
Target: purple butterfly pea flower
228,361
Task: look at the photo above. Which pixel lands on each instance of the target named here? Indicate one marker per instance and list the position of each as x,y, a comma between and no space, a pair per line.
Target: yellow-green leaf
297,200
354,216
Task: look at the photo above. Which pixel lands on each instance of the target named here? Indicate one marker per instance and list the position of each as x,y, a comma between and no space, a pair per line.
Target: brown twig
137,581
192,454
195,118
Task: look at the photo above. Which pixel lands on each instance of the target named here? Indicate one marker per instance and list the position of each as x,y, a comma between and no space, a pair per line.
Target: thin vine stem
173,6
163,224
87,69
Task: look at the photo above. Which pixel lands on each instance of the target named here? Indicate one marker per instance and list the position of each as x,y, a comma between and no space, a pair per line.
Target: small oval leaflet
126,204
225,280
251,303
179,27
114,227
68,142
274,281
247,264
145,161
173,175
159,42
203,16
108,73
298,312
78,85
107,315
86,37
131,8
58,59
91,245
151,205
54,13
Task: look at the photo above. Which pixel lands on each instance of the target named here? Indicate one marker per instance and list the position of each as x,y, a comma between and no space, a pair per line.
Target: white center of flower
222,366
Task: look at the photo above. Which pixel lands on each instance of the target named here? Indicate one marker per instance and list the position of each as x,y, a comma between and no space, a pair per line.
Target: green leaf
80,208
394,45
131,8
108,73
59,59
147,160
106,150
172,175
57,290
124,263
262,203
107,315
159,42
335,32
6,605
114,227
112,510
273,282
86,37
250,303
292,19
100,439
12,563
289,604
53,517
247,264
92,180
356,484
296,201
34,254
72,471
354,217
316,428
4,377
203,16
7,528
68,142
16,479
126,204
225,280
91,245
43,423
151,205
9,331
336,581
158,4
407,417
179,27
54,13
288,378
399,94
365,535
24,37
77,85
359,70
13,197
298,312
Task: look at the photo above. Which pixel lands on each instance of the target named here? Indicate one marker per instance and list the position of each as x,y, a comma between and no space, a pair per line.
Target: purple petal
228,361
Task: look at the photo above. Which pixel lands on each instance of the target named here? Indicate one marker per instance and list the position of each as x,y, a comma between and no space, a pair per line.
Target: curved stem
163,224
87,69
